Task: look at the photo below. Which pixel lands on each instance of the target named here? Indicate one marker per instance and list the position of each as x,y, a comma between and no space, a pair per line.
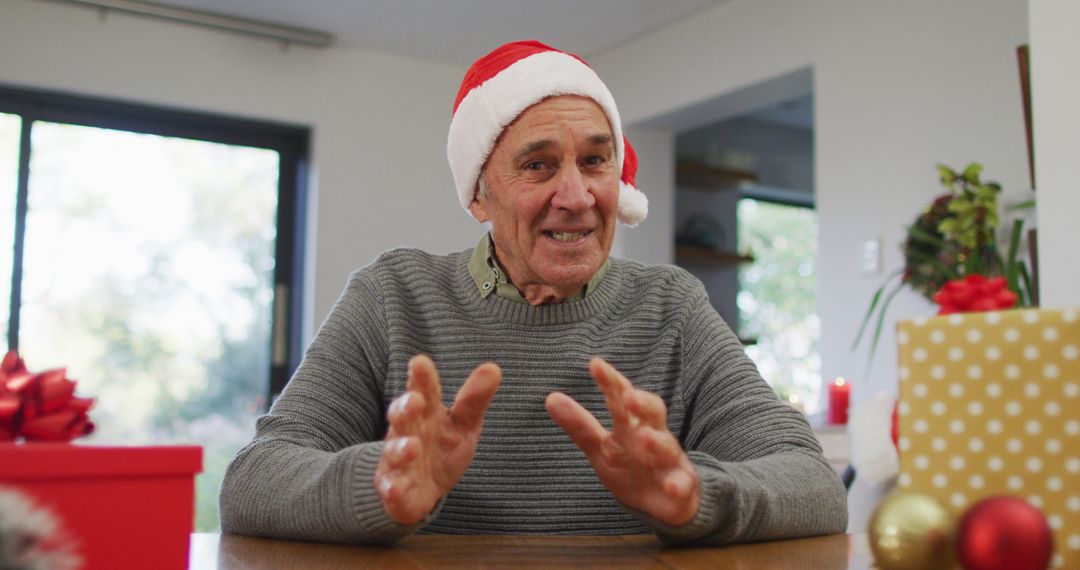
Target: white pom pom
633,205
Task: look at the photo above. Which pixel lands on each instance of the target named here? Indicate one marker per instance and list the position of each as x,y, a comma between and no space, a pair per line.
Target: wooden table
232,552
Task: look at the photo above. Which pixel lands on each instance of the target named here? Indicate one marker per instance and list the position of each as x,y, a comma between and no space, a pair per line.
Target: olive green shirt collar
490,277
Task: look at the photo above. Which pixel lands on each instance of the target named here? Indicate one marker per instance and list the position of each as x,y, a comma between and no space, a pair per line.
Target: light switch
870,257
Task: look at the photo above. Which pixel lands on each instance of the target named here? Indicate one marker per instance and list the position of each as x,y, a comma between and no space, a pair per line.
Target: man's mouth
567,236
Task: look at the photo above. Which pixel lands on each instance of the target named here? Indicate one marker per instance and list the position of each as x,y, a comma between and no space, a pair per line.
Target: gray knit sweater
309,472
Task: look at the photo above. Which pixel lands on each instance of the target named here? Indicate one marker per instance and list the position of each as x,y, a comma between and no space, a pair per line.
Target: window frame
291,142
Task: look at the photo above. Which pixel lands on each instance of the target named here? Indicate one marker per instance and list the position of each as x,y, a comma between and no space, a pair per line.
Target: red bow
40,406
974,293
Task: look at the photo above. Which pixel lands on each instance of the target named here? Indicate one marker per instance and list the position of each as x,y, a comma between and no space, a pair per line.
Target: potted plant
951,254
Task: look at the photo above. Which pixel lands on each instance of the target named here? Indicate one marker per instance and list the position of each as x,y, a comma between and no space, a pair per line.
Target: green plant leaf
920,235
947,175
1011,262
873,305
948,227
971,173
932,260
1025,205
881,322
1027,285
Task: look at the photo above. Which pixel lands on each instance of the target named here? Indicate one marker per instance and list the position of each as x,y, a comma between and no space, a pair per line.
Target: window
778,297
153,254
10,129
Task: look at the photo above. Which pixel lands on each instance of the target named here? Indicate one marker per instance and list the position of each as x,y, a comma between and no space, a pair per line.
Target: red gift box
124,507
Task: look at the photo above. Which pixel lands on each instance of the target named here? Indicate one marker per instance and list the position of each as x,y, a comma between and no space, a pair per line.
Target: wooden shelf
705,256
698,175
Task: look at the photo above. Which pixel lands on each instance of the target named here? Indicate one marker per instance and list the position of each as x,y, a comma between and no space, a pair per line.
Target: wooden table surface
232,552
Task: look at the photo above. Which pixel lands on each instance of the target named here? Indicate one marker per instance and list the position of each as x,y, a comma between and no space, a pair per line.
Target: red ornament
974,293
894,433
1004,533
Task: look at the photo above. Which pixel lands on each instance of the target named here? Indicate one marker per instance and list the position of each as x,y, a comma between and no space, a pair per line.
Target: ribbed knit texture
308,474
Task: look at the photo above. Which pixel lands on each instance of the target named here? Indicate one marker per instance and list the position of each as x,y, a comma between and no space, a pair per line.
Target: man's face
553,189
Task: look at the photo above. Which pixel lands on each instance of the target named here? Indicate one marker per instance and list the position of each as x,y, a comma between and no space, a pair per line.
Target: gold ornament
912,531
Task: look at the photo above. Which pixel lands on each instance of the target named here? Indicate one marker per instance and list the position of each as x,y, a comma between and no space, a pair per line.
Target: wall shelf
704,176
697,255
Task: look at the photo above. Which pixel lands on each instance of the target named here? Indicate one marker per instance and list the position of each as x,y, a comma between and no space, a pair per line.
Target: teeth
562,236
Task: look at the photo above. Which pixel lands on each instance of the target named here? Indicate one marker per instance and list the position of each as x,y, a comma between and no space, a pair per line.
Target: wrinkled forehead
556,111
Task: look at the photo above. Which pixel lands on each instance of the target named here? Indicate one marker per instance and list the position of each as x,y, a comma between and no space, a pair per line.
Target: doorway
747,228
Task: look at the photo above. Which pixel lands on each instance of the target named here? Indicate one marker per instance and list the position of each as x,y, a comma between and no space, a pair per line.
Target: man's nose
572,191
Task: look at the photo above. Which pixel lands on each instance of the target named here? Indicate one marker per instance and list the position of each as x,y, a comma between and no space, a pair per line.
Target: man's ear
478,209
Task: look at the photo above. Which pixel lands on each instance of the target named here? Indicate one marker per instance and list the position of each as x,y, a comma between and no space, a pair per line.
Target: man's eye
595,160
535,166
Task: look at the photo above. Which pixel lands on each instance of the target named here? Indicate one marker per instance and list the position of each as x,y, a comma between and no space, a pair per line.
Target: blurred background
180,205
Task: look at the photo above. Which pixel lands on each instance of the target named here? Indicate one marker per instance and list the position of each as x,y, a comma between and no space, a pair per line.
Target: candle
839,394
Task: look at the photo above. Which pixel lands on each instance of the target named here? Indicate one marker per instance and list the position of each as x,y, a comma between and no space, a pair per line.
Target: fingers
475,396
614,386
405,413
678,483
584,430
658,448
648,408
400,451
394,491
629,406
424,378
395,477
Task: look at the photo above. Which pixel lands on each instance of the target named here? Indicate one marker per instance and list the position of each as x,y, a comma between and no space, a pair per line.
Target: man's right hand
429,446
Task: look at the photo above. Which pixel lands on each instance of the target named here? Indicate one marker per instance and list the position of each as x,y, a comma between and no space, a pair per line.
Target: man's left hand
639,460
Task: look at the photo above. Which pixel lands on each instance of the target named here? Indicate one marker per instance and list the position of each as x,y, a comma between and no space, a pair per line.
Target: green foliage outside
778,297
149,266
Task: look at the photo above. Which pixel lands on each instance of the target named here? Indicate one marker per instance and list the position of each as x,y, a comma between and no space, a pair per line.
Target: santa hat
501,85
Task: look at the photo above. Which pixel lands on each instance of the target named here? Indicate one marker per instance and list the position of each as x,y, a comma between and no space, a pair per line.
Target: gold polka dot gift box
990,405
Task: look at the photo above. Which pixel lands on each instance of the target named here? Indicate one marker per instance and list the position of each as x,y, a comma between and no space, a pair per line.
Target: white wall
1055,92
897,86
656,178
379,121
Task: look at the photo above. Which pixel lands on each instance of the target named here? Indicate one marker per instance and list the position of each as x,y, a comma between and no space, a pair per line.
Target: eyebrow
532,147
600,139
536,146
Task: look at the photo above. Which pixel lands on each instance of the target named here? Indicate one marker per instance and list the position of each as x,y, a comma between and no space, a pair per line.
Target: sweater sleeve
762,472
309,472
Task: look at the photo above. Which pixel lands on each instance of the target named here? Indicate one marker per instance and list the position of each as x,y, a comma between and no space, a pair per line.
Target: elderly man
565,392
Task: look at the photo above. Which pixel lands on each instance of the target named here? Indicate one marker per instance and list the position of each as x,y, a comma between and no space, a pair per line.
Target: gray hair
482,187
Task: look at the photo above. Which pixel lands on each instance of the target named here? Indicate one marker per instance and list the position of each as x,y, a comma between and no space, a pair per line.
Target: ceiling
458,32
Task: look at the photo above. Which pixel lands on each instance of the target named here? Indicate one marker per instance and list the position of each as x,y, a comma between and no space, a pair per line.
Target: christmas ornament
911,531
1004,533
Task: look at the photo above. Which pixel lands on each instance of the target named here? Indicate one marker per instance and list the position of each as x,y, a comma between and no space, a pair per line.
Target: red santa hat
501,85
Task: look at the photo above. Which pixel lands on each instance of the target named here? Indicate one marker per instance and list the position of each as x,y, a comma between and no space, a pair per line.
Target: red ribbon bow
974,293
40,406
